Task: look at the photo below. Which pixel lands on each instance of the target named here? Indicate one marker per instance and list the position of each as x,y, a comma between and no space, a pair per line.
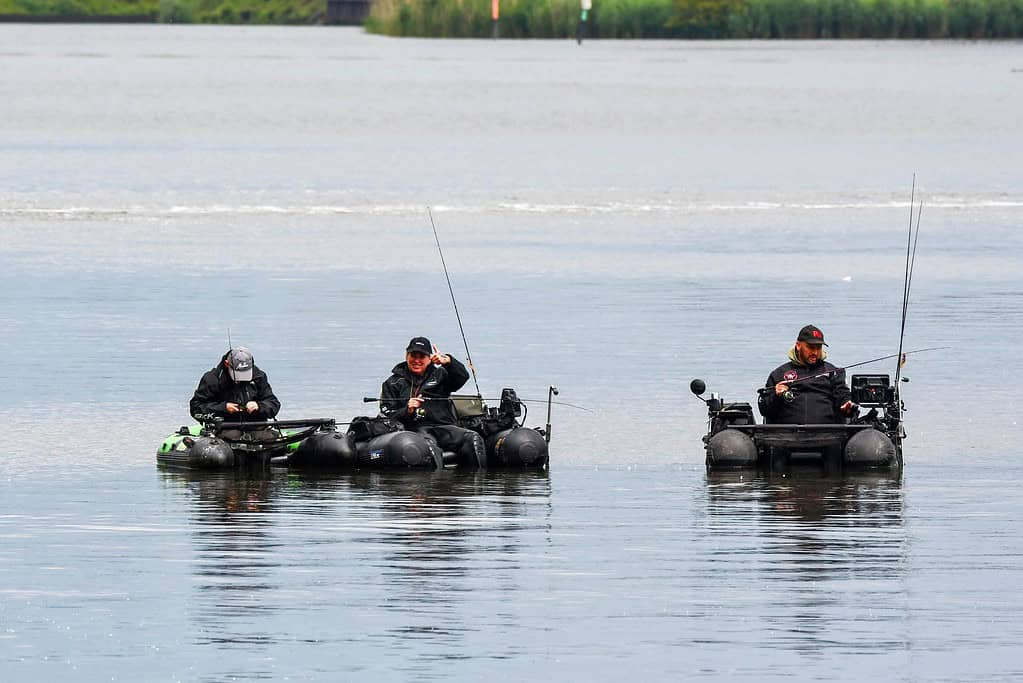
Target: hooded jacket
438,381
815,401
216,389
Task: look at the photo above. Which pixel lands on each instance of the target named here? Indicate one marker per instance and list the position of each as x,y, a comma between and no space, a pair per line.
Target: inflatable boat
315,444
870,440
222,445
508,442
367,443
503,440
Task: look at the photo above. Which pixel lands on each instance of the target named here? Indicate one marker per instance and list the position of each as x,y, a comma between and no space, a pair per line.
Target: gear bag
366,428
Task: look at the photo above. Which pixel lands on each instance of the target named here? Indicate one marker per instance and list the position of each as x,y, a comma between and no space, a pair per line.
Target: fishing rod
371,399
908,278
905,279
283,424
455,304
853,365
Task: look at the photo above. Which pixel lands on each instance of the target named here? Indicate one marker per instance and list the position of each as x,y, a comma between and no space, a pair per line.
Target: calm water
617,219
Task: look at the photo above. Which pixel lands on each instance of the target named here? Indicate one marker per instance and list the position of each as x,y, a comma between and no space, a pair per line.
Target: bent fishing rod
454,303
829,373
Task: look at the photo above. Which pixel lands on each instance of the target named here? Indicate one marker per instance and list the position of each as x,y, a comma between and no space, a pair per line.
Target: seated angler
417,395
807,389
236,391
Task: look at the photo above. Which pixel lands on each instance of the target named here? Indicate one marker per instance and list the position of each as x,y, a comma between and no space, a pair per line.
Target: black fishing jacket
814,401
216,389
438,381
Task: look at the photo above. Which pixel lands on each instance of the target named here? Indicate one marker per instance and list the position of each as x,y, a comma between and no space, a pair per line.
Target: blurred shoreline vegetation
700,19
176,11
704,19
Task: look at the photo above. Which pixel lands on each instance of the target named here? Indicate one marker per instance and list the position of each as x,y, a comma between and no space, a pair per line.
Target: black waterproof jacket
815,401
437,382
216,389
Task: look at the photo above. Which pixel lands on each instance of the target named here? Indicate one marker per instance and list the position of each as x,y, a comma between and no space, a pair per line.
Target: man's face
417,362
809,353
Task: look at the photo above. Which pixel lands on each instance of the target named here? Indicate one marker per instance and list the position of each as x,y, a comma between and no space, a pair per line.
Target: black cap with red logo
811,334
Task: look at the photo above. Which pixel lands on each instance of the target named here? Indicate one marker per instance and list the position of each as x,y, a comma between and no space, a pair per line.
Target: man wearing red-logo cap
807,389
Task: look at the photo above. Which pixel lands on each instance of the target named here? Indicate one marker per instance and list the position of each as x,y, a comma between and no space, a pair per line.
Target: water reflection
829,550
233,539
381,560
436,545
804,493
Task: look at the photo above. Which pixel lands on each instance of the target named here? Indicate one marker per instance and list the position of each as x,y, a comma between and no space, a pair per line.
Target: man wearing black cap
235,390
824,398
415,394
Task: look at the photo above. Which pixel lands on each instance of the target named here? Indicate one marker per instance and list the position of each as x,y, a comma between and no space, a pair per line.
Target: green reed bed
242,11
970,19
80,8
176,11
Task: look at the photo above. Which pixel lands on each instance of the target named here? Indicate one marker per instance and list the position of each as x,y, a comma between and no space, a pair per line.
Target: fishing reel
788,395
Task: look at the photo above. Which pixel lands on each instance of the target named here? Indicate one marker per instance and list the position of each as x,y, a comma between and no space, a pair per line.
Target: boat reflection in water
809,493
367,561
827,553
232,526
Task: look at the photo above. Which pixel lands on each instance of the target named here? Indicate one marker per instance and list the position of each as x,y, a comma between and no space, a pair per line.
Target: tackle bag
366,428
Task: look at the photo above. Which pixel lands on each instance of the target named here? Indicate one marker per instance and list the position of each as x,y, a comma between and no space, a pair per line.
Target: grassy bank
608,19
705,18
176,11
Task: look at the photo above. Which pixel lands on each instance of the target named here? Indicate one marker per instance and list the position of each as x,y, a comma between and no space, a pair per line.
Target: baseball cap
419,345
811,334
239,365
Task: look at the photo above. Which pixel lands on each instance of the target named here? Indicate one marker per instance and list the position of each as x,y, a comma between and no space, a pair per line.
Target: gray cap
239,365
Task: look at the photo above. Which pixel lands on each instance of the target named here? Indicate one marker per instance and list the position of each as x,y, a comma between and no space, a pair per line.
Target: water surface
617,219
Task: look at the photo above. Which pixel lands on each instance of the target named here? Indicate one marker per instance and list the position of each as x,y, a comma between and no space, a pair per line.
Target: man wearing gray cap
234,390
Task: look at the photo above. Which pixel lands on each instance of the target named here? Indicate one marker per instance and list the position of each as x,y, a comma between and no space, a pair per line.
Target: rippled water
617,219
